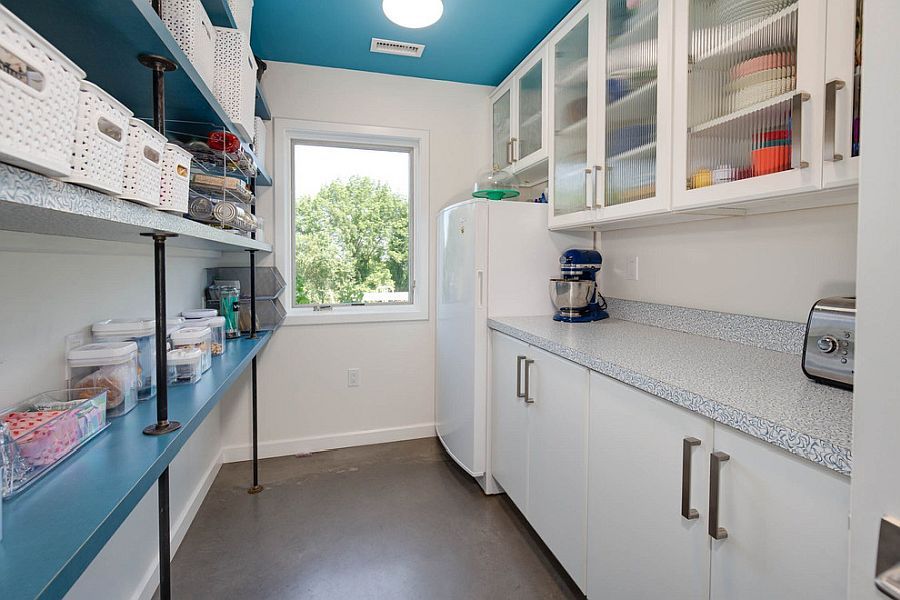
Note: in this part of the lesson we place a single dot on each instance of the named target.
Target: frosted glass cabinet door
(638, 83)
(843, 85)
(502, 121)
(531, 112)
(570, 174)
(749, 98)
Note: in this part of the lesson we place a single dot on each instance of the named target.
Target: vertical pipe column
(163, 425)
(255, 488)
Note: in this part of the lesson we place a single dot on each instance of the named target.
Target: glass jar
(195, 337)
(110, 365)
(217, 327)
(143, 333)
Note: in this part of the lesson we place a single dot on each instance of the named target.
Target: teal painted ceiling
(476, 41)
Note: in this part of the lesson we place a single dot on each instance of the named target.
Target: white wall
(305, 403)
(875, 488)
(771, 266)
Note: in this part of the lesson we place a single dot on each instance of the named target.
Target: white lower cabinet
(787, 524)
(539, 444)
(639, 544)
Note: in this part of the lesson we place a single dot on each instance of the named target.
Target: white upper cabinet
(843, 81)
(749, 99)
(519, 116)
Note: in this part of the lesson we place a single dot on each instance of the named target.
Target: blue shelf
(262, 107)
(53, 531)
(220, 13)
(105, 37)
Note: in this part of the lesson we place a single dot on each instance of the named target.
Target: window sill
(355, 314)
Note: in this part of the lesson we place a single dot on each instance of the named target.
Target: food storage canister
(110, 365)
(143, 333)
(199, 313)
(217, 327)
(195, 337)
(184, 365)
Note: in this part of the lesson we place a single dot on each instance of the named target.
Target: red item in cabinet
(224, 141)
(771, 159)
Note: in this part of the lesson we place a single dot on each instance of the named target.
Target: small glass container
(195, 337)
(230, 306)
(143, 333)
(217, 327)
(110, 365)
(184, 365)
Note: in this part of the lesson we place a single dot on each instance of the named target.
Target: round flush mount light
(413, 14)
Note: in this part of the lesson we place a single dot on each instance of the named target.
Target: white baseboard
(180, 529)
(320, 443)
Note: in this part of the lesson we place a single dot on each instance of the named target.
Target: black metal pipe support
(165, 550)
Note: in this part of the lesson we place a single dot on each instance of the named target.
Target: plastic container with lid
(110, 365)
(195, 337)
(199, 313)
(217, 327)
(143, 333)
(184, 365)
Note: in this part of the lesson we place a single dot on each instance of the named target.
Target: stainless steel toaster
(831, 342)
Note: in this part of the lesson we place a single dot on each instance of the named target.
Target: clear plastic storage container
(199, 313)
(195, 337)
(184, 365)
(217, 327)
(143, 333)
(38, 434)
(111, 365)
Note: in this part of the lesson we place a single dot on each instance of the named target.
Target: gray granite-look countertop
(760, 392)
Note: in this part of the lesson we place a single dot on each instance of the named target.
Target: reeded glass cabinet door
(570, 120)
(531, 111)
(502, 119)
(843, 92)
(632, 89)
(752, 93)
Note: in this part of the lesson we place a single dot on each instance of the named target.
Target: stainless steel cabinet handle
(527, 396)
(715, 464)
(594, 199)
(588, 197)
(515, 149)
(519, 360)
(797, 101)
(509, 159)
(686, 511)
(831, 90)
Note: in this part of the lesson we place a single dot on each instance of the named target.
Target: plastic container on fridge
(39, 94)
(143, 333)
(217, 327)
(98, 154)
(38, 434)
(191, 27)
(195, 337)
(111, 365)
(235, 87)
(175, 179)
(143, 164)
(184, 365)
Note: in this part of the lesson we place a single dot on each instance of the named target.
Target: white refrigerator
(494, 259)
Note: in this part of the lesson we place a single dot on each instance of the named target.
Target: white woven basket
(190, 26)
(235, 87)
(242, 11)
(39, 99)
(259, 141)
(98, 154)
(143, 163)
(176, 179)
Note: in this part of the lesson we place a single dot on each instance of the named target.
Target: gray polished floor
(392, 521)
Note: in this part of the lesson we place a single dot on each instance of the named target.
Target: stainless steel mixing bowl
(571, 296)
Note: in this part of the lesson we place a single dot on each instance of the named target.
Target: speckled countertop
(760, 392)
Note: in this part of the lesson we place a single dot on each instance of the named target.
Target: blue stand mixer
(575, 294)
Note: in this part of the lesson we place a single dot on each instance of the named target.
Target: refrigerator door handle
(479, 275)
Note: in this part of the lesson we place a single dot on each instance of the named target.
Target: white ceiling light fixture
(413, 14)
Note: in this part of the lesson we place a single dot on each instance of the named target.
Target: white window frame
(289, 131)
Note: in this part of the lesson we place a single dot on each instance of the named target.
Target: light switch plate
(353, 377)
(631, 268)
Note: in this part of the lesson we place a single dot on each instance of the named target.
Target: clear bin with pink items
(39, 433)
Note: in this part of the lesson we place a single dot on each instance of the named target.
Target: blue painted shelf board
(105, 37)
(53, 531)
(262, 107)
(220, 13)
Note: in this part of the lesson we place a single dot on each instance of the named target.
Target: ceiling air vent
(399, 48)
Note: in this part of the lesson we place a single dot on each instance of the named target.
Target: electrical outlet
(352, 377)
(631, 268)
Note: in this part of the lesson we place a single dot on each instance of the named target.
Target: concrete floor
(391, 521)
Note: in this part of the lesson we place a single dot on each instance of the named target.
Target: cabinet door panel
(531, 112)
(639, 545)
(557, 451)
(502, 122)
(787, 524)
(509, 420)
